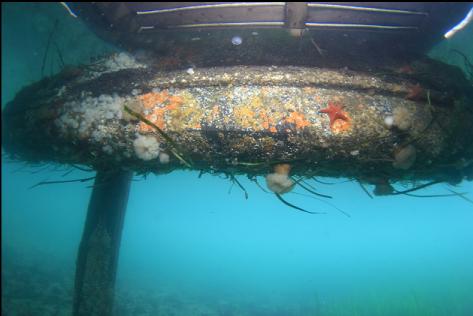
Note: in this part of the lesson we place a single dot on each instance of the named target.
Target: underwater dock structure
(256, 102)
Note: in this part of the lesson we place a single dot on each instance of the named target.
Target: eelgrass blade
(174, 148)
(295, 207)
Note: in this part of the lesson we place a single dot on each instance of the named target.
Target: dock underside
(390, 122)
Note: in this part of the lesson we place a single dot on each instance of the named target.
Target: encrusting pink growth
(415, 93)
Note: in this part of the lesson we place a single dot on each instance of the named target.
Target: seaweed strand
(417, 188)
(326, 202)
(56, 22)
(235, 180)
(295, 207)
(61, 181)
(311, 191)
(461, 195)
(174, 148)
(364, 189)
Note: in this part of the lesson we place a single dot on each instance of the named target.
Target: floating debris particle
(237, 40)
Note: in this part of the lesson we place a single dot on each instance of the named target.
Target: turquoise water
(190, 246)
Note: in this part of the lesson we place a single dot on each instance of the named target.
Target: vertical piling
(97, 258)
